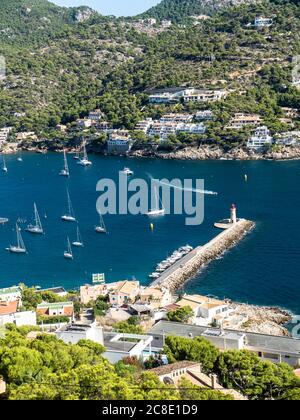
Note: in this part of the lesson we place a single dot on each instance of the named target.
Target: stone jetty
(188, 266)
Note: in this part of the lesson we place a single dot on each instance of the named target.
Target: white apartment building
(19, 318)
(95, 115)
(4, 133)
(11, 294)
(260, 139)
(180, 118)
(204, 95)
(241, 120)
(206, 115)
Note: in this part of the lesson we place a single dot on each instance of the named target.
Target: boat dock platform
(182, 271)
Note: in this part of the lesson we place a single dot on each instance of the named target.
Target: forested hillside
(179, 10)
(64, 67)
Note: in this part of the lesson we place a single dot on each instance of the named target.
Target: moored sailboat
(158, 209)
(101, 228)
(68, 254)
(65, 171)
(84, 161)
(70, 216)
(78, 243)
(20, 247)
(37, 228)
(4, 167)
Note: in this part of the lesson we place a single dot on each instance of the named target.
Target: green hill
(179, 10)
(60, 64)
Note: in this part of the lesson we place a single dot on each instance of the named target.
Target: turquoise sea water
(263, 269)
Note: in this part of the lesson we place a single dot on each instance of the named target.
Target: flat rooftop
(253, 340)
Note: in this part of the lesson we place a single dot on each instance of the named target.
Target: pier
(189, 265)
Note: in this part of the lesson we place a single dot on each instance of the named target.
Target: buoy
(152, 226)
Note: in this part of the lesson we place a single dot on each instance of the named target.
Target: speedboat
(127, 171)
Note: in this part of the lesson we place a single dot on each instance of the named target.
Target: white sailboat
(65, 171)
(68, 254)
(159, 209)
(78, 243)
(20, 159)
(76, 156)
(37, 228)
(70, 216)
(84, 161)
(4, 167)
(101, 228)
(20, 247)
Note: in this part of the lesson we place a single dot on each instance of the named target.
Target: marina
(185, 268)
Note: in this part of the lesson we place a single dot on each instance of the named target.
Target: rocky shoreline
(205, 152)
(218, 153)
(261, 319)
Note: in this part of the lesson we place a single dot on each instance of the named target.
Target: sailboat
(37, 227)
(84, 161)
(4, 167)
(68, 254)
(20, 159)
(78, 243)
(156, 211)
(101, 228)
(65, 171)
(70, 216)
(76, 156)
(20, 247)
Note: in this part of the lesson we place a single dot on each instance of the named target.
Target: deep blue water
(263, 269)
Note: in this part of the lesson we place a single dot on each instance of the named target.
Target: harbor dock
(184, 269)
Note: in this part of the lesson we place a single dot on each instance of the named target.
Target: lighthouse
(233, 218)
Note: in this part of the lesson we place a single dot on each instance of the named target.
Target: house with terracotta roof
(124, 292)
(172, 374)
(89, 293)
(55, 309)
(9, 307)
(206, 310)
(155, 297)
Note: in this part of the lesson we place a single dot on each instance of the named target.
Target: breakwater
(188, 266)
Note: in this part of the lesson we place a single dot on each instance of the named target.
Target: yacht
(78, 243)
(65, 171)
(70, 216)
(68, 254)
(20, 247)
(101, 228)
(37, 227)
(128, 172)
(158, 210)
(84, 161)
(4, 167)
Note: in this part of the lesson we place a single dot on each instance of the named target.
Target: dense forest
(60, 66)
